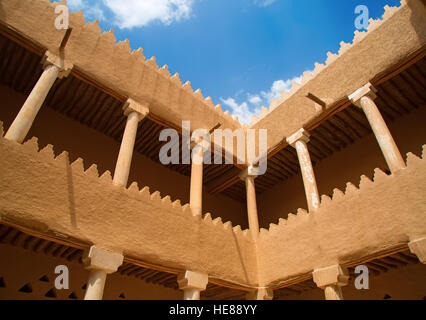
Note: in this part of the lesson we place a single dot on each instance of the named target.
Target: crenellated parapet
(49, 195)
(386, 43)
(379, 215)
(53, 197)
(129, 73)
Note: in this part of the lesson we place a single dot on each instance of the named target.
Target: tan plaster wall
(348, 165)
(407, 283)
(19, 267)
(379, 216)
(93, 147)
(47, 194)
(387, 43)
(114, 64)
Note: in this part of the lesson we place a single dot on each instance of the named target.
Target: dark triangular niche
(73, 296)
(50, 294)
(26, 288)
(2, 283)
(122, 296)
(387, 297)
(44, 279)
(84, 287)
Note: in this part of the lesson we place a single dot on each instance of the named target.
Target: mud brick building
(81, 183)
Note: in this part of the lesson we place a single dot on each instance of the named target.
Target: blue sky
(240, 52)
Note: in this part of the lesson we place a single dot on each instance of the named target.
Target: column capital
(249, 172)
(53, 59)
(201, 143)
(261, 294)
(301, 135)
(366, 91)
(418, 247)
(193, 280)
(133, 106)
(99, 259)
(331, 276)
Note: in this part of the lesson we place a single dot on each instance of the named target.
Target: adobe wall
(348, 165)
(406, 283)
(22, 266)
(114, 65)
(52, 196)
(387, 43)
(380, 215)
(63, 133)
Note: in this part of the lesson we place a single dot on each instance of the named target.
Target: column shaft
(95, 285)
(191, 294)
(308, 175)
(26, 116)
(124, 161)
(196, 193)
(253, 218)
(381, 131)
(333, 293)
(261, 294)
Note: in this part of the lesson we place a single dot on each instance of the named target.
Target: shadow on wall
(71, 200)
(418, 11)
(240, 256)
(2, 14)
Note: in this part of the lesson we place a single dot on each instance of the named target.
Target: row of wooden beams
(399, 91)
(88, 101)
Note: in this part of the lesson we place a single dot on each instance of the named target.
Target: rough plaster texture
(387, 43)
(402, 31)
(347, 165)
(115, 65)
(47, 194)
(63, 133)
(406, 283)
(50, 194)
(24, 266)
(380, 215)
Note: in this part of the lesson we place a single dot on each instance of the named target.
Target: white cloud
(95, 12)
(278, 87)
(263, 3)
(75, 4)
(256, 99)
(136, 13)
(91, 10)
(238, 110)
(247, 109)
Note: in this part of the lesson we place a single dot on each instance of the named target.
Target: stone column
(364, 98)
(100, 263)
(192, 283)
(299, 141)
(135, 112)
(418, 247)
(54, 67)
(196, 192)
(331, 279)
(253, 219)
(261, 294)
